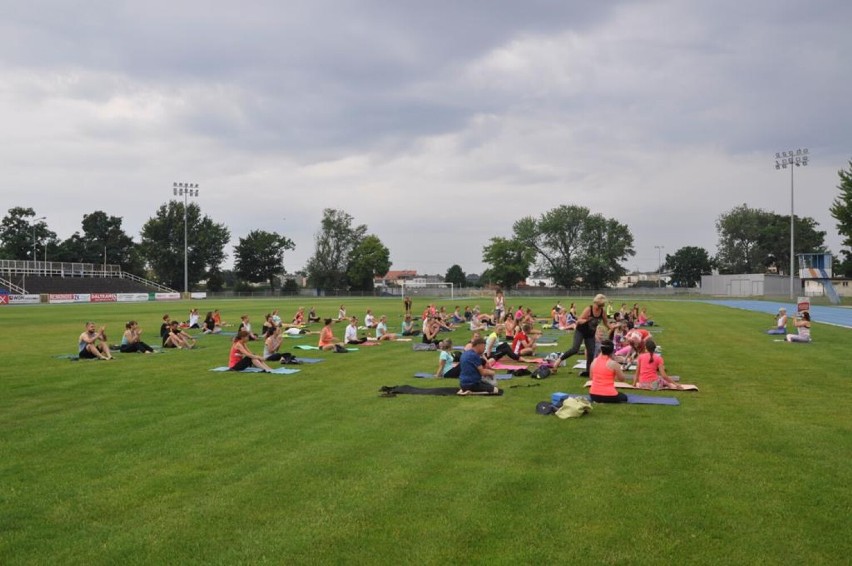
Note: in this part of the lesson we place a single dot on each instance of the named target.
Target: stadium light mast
(798, 158)
(185, 190)
(659, 265)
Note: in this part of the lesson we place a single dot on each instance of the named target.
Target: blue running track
(838, 316)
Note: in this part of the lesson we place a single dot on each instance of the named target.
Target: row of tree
(571, 245)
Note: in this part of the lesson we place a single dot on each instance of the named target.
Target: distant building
(395, 278)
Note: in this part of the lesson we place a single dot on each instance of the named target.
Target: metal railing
(10, 267)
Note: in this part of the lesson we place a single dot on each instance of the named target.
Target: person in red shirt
(522, 345)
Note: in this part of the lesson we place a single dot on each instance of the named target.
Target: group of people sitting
(802, 323)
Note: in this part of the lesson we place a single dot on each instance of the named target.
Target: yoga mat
(394, 390)
(621, 385)
(306, 347)
(508, 367)
(546, 344)
(532, 360)
(280, 371)
(581, 364)
(310, 360)
(643, 400)
(497, 376)
(640, 400)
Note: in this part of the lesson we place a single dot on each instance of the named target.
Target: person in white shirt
(350, 335)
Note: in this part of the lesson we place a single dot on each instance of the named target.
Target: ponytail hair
(650, 347)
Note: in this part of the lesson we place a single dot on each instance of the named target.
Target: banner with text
(198, 295)
(131, 297)
(104, 297)
(166, 296)
(24, 299)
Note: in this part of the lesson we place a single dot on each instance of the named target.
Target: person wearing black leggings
(587, 324)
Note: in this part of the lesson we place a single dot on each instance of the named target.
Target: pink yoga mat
(621, 385)
(509, 367)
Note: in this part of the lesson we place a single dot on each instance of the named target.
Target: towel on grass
(280, 371)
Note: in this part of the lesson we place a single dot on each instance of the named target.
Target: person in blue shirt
(473, 371)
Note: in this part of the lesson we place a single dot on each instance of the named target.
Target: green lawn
(155, 459)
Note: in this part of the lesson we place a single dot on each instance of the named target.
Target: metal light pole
(794, 159)
(33, 224)
(185, 190)
(659, 265)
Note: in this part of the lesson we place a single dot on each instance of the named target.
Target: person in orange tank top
(241, 357)
(605, 372)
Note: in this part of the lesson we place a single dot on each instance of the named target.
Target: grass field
(155, 459)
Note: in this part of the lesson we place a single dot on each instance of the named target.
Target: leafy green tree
(748, 236)
(575, 247)
(162, 244)
(739, 232)
(510, 262)
(688, 264)
(369, 259)
(605, 244)
(841, 210)
(334, 243)
(102, 240)
(260, 256)
(456, 276)
(18, 233)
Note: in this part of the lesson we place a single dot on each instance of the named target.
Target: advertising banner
(803, 304)
(131, 297)
(198, 295)
(166, 296)
(82, 297)
(24, 299)
(4, 299)
(60, 298)
(104, 297)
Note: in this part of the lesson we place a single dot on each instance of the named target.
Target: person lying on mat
(651, 370)
(92, 344)
(780, 322)
(605, 372)
(382, 330)
(131, 340)
(473, 374)
(241, 357)
(408, 328)
(587, 325)
(327, 341)
(350, 335)
(447, 365)
(803, 327)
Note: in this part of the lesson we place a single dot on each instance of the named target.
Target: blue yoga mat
(310, 360)
(640, 400)
(646, 400)
(279, 371)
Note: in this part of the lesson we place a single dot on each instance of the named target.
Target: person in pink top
(605, 372)
(651, 370)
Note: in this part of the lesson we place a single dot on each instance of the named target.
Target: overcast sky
(437, 124)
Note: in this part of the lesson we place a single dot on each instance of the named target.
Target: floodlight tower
(797, 158)
(185, 190)
(659, 265)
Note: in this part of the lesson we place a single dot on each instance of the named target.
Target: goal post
(431, 289)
